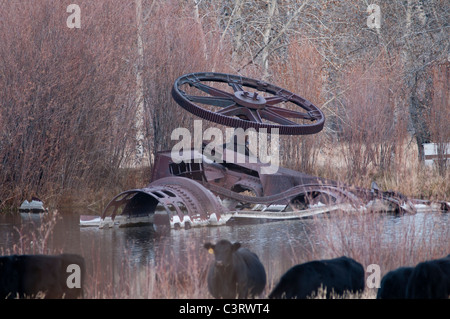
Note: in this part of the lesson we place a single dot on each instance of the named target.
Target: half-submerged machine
(205, 186)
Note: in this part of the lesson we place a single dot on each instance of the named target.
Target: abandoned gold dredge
(196, 190)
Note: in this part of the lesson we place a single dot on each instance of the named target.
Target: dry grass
(37, 241)
(408, 176)
(166, 277)
(366, 294)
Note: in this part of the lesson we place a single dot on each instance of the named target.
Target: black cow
(54, 276)
(393, 284)
(236, 272)
(335, 275)
(430, 280)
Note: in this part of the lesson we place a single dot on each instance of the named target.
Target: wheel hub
(250, 100)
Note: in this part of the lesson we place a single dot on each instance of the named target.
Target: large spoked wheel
(237, 101)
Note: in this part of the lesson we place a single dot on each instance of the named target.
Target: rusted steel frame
(129, 195)
(403, 203)
(199, 202)
(118, 201)
(356, 196)
(201, 196)
(340, 194)
(164, 201)
(443, 205)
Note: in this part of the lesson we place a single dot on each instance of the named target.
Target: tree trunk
(418, 82)
(271, 7)
(419, 107)
(139, 119)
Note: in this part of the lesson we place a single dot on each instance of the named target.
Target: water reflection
(278, 244)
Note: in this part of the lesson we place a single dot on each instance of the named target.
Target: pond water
(141, 244)
(281, 242)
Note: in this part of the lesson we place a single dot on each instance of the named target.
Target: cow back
(393, 284)
(255, 274)
(25, 276)
(430, 280)
(335, 275)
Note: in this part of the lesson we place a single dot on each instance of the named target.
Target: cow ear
(209, 247)
(236, 246)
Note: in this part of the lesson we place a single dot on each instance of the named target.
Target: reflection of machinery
(195, 190)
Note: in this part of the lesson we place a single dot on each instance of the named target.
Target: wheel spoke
(272, 100)
(257, 116)
(212, 91)
(271, 116)
(231, 110)
(236, 110)
(211, 100)
(236, 86)
(289, 113)
(252, 115)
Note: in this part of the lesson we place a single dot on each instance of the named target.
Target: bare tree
(77, 103)
(174, 47)
(416, 29)
(425, 42)
(139, 121)
(438, 118)
(64, 97)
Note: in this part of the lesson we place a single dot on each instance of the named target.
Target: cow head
(223, 251)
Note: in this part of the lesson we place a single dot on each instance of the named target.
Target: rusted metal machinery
(196, 190)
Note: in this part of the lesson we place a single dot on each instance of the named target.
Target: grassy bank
(406, 174)
(92, 197)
